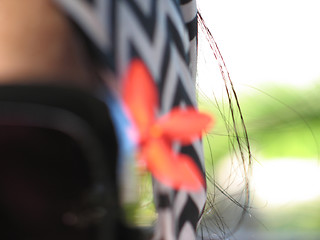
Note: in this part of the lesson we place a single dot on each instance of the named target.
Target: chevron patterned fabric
(162, 33)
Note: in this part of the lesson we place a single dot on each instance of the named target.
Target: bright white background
(266, 40)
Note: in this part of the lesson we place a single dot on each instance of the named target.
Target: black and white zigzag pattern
(163, 33)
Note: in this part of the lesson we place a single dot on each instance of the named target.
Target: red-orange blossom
(156, 135)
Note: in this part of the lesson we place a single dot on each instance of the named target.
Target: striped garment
(163, 33)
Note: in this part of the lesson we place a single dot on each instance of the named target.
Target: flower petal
(140, 95)
(184, 125)
(191, 178)
(176, 171)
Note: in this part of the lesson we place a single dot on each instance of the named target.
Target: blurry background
(272, 51)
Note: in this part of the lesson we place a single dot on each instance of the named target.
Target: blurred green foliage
(142, 212)
(281, 122)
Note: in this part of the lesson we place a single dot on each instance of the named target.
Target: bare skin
(38, 42)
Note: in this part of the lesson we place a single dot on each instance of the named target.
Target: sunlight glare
(284, 181)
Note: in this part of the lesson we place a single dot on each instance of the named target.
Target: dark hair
(212, 223)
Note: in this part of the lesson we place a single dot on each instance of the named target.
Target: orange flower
(184, 126)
